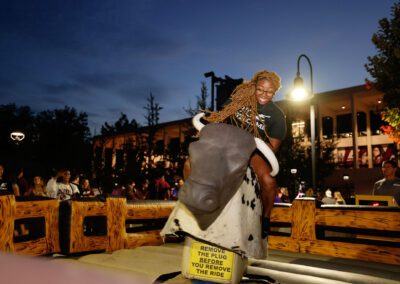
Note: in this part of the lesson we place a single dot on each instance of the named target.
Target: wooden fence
(356, 232)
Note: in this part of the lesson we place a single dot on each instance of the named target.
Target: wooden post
(303, 220)
(78, 241)
(7, 216)
(116, 216)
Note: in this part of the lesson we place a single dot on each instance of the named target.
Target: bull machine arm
(219, 208)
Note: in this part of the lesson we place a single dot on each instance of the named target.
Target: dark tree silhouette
(201, 104)
(385, 69)
(121, 125)
(152, 118)
(53, 139)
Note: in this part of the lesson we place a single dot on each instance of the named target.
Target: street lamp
(17, 136)
(214, 80)
(299, 93)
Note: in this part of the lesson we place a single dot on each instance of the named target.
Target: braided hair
(244, 97)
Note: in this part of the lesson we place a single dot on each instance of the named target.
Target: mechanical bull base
(220, 203)
(237, 228)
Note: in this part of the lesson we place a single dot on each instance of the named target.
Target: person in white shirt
(51, 186)
(65, 189)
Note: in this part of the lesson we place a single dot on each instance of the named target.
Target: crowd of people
(158, 179)
(283, 196)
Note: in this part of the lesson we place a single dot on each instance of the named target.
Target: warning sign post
(206, 262)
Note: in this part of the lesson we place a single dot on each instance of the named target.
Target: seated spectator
(390, 184)
(339, 198)
(328, 199)
(37, 187)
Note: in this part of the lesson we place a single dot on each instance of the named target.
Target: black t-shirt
(271, 121)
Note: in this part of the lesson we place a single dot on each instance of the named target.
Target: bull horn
(267, 152)
(196, 121)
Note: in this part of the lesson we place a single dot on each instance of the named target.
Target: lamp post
(299, 94)
(214, 80)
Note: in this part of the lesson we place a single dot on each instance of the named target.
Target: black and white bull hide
(220, 202)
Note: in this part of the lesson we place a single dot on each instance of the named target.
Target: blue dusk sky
(104, 57)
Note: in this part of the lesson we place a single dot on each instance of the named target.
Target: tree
(201, 104)
(152, 117)
(121, 125)
(153, 111)
(385, 69)
(58, 138)
(63, 139)
(293, 154)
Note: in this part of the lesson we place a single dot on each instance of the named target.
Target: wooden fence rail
(356, 232)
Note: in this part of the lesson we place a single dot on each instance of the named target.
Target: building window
(298, 129)
(174, 146)
(327, 127)
(376, 122)
(98, 157)
(119, 160)
(344, 125)
(159, 147)
(362, 123)
(108, 152)
(344, 157)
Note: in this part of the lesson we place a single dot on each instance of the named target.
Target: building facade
(349, 117)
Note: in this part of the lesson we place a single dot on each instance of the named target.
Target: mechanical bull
(220, 202)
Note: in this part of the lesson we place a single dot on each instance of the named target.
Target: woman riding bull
(251, 107)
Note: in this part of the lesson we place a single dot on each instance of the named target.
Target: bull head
(218, 160)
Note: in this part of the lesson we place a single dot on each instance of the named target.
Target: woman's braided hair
(244, 97)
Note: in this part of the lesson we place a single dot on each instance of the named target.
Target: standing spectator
(145, 189)
(75, 182)
(130, 191)
(161, 186)
(23, 184)
(51, 185)
(87, 190)
(282, 195)
(118, 190)
(65, 189)
(339, 198)
(390, 184)
(176, 189)
(37, 188)
(328, 199)
(5, 185)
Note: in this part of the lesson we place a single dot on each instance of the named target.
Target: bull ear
(196, 121)
(267, 152)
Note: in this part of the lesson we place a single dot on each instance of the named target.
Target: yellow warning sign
(210, 262)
